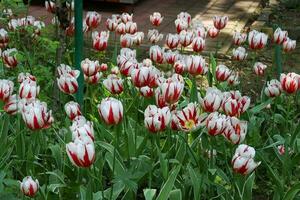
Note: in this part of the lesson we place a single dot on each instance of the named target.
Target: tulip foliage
(171, 123)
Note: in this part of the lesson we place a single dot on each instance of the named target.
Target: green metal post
(79, 49)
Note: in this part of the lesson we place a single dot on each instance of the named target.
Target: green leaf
(194, 92)
(291, 193)
(169, 184)
(260, 107)
(247, 194)
(195, 178)
(176, 194)
(149, 194)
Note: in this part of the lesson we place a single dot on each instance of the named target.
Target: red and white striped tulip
(111, 24)
(222, 73)
(212, 100)
(259, 68)
(121, 28)
(216, 123)
(157, 119)
(67, 83)
(29, 187)
(243, 160)
(235, 130)
(181, 25)
(92, 19)
(146, 91)
(239, 38)
(289, 45)
(172, 40)
(257, 40)
(125, 17)
(103, 67)
(6, 89)
(4, 39)
(9, 58)
(186, 38)
(144, 76)
(81, 152)
(126, 40)
(24, 76)
(198, 44)
(234, 78)
(11, 105)
(138, 37)
(156, 19)
(50, 6)
(179, 66)
(156, 54)
(82, 128)
(130, 27)
(90, 67)
(220, 22)
(127, 66)
(200, 31)
(273, 88)
(35, 115)
(213, 32)
(93, 79)
(170, 57)
(115, 70)
(29, 89)
(72, 109)
(280, 36)
(113, 84)
(111, 111)
(239, 54)
(196, 65)
(100, 40)
(185, 16)
(290, 82)
(281, 149)
(154, 36)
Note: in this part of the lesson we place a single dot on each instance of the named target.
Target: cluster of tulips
(218, 111)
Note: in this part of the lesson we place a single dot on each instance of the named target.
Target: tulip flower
(239, 54)
(220, 22)
(9, 58)
(89, 67)
(222, 73)
(156, 119)
(281, 149)
(174, 124)
(257, 40)
(3, 38)
(127, 53)
(103, 67)
(259, 68)
(125, 17)
(154, 36)
(233, 79)
(67, 83)
(93, 79)
(100, 40)
(24, 76)
(189, 118)
(160, 100)
(170, 57)
(113, 84)
(81, 152)
(130, 27)
(239, 38)
(72, 109)
(38, 26)
(181, 25)
(289, 45)
(290, 82)
(111, 110)
(146, 91)
(243, 160)
(216, 123)
(212, 101)
(172, 40)
(29, 187)
(186, 38)
(144, 76)
(114, 70)
(126, 40)
(198, 44)
(213, 32)
(235, 130)
(35, 115)
(179, 66)
(156, 54)
(280, 36)
(14, 24)
(50, 6)
(196, 65)
(138, 37)
(11, 105)
(200, 32)
(273, 88)
(82, 128)
(185, 16)
(29, 89)
(92, 19)
(156, 19)
(111, 24)
(234, 104)
(127, 66)
(121, 28)
(6, 89)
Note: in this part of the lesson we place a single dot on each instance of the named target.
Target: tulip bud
(196, 65)
(100, 40)
(144, 76)
(81, 152)
(154, 36)
(121, 28)
(289, 45)
(92, 19)
(130, 27)
(212, 101)
(213, 32)
(279, 36)
(239, 38)
(93, 79)
(146, 91)
(29, 187)
(216, 123)
(11, 105)
(220, 22)
(111, 110)
(113, 84)
(125, 17)
(111, 24)
(170, 57)
(89, 67)
(6, 89)
(200, 32)
(126, 40)
(259, 68)
(257, 40)
(156, 19)
(103, 67)
(156, 119)
(3, 38)
(137, 38)
(243, 160)
(9, 58)
(185, 16)
(235, 130)
(186, 38)
(82, 128)
(172, 40)
(239, 54)
(179, 66)
(181, 25)
(29, 89)
(67, 83)
(273, 88)
(72, 109)
(156, 54)
(198, 44)
(290, 82)
(233, 79)
(222, 73)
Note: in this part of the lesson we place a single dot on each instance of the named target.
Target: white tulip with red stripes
(156, 119)
(111, 110)
(6, 89)
(29, 187)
